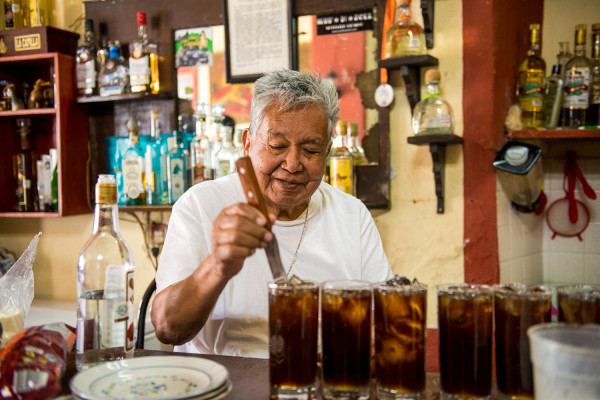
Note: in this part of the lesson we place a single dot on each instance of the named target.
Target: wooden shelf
(124, 97)
(145, 208)
(28, 112)
(556, 134)
(35, 214)
(424, 60)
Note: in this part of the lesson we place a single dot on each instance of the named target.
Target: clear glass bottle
(341, 163)
(102, 53)
(155, 165)
(226, 155)
(198, 146)
(238, 143)
(143, 61)
(176, 168)
(86, 63)
(563, 57)
(113, 76)
(105, 286)
(405, 37)
(594, 110)
(39, 13)
(358, 154)
(530, 90)
(24, 170)
(433, 115)
(577, 84)
(553, 98)
(214, 138)
(132, 165)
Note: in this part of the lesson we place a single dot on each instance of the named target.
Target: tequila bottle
(198, 146)
(532, 72)
(433, 114)
(405, 37)
(238, 143)
(132, 165)
(143, 61)
(563, 57)
(594, 110)
(155, 165)
(105, 283)
(341, 163)
(358, 154)
(553, 98)
(176, 169)
(577, 84)
(85, 62)
(112, 79)
(226, 155)
(102, 53)
(24, 170)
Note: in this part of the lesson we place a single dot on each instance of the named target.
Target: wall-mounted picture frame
(260, 36)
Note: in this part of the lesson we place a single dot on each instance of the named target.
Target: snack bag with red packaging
(33, 362)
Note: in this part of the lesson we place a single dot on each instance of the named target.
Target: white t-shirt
(341, 241)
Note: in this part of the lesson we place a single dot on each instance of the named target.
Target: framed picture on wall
(259, 37)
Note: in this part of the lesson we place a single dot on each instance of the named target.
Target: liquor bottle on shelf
(530, 90)
(433, 115)
(214, 139)
(39, 12)
(553, 98)
(132, 165)
(341, 163)
(594, 111)
(54, 180)
(405, 37)
(563, 57)
(24, 170)
(102, 53)
(198, 146)
(105, 283)
(238, 143)
(143, 61)
(155, 176)
(113, 76)
(13, 14)
(358, 154)
(176, 168)
(226, 156)
(85, 62)
(577, 84)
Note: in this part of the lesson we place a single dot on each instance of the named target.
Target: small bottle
(238, 143)
(577, 84)
(24, 168)
(132, 165)
(405, 37)
(433, 115)
(563, 57)
(113, 77)
(176, 169)
(54, 180)
(105, 278)
(198, 146)
(102, 53)
(530, 91)
(594, 110)
(226, 156)
(85, 62)
(358, 154)
(143, 61)
(155, 176)
(553, 98)
(341, 163)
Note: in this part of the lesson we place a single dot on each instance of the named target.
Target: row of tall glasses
(378, 331)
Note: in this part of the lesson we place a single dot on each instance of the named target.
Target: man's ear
(246, 141)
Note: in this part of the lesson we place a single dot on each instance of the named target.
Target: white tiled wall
(527, 251)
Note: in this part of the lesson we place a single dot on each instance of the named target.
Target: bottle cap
(596, 27)
(141, 18)
(341, 127)
(516, 155)
(106, 189)
(353, 129)
(556, 69)
(432, 75)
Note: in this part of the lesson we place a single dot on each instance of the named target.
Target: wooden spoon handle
(250, 184)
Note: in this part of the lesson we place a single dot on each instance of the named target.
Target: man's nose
(292, 162)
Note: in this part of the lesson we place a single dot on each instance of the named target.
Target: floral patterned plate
(156, 377)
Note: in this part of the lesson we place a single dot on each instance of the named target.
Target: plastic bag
(16, 293)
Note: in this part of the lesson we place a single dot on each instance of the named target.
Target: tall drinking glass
(465, 340)
(293, 334)
(578, 304)
(516, 308)
(346, 339)
(400, 312)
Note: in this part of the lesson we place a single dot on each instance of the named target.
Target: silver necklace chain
(300, 241)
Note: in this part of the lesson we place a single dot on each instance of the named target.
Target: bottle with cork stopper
(433, 115)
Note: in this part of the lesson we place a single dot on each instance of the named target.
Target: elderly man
(211, 282)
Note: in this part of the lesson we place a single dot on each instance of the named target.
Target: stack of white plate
(156, 377)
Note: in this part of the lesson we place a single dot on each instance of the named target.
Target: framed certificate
(260, 36)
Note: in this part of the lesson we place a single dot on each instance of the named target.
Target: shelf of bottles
(124, 97)
(556, 134)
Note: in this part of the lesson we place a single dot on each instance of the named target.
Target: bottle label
(577, 88)
(115, 314)
(132, 176)
(596, 86)
(139, 71)
(340, 171)
(86, 75)
(106, 193)
(531, 90)
(177, 178)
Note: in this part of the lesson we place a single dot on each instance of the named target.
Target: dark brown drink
(578, 304)
(516, 308)
(400, 313)
(293, 333)
(465, 340)
(346, 337)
